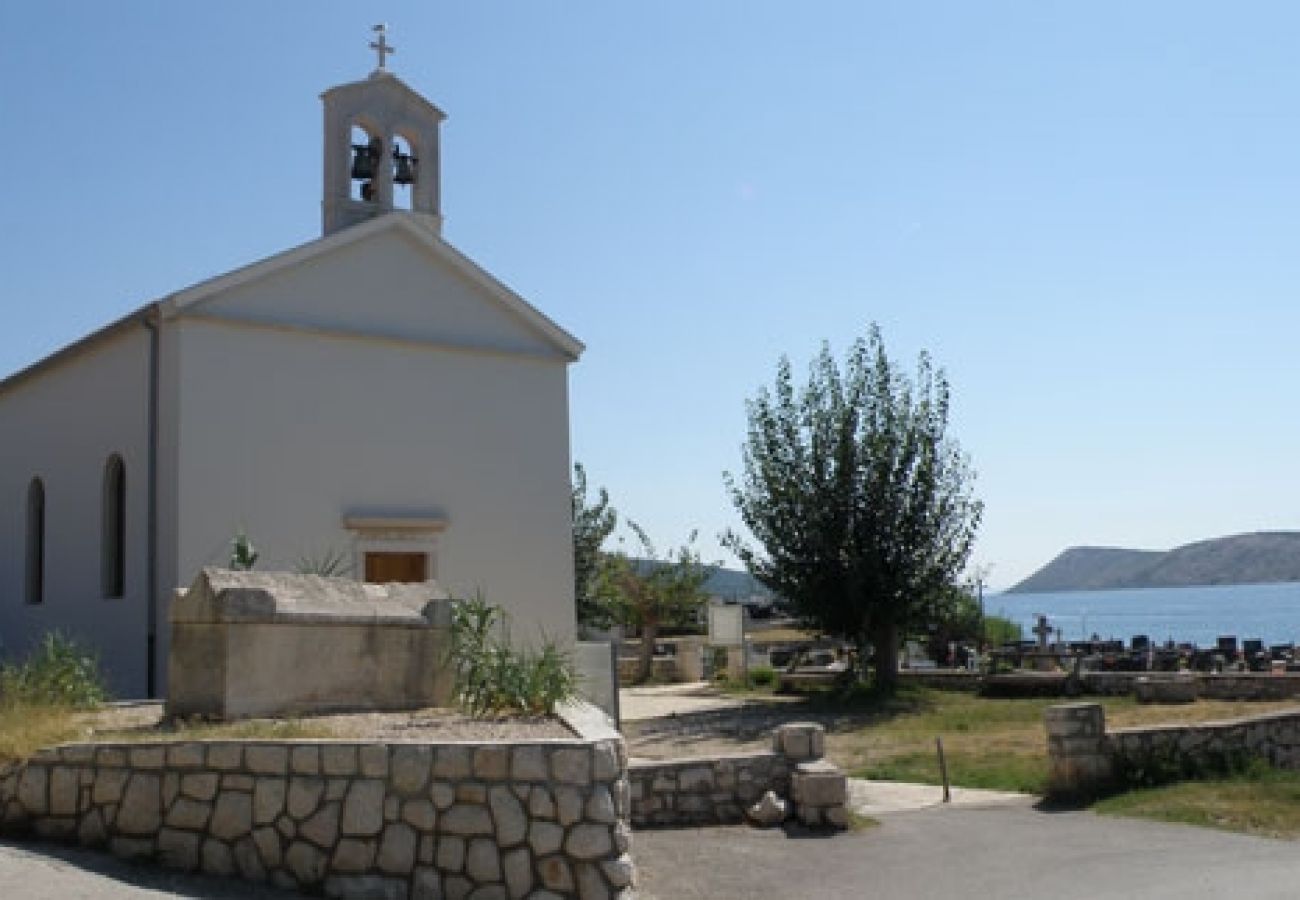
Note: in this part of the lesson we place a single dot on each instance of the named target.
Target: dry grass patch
(26, 728)
(988, 742)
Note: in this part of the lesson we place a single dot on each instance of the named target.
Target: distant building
(371, 395)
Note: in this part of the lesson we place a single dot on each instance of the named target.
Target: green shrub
(59, 672)
(492, 676)
(762, 676)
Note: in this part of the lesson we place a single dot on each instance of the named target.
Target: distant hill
(1261, 557)
(730, 584)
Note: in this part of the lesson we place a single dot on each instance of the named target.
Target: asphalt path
(1008, 851)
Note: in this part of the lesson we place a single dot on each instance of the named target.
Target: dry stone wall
(1085, 759)
(472, 821)
(720, 790)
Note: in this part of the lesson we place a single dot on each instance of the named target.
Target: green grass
(1260, 801)
(988, 742)
(27, 727)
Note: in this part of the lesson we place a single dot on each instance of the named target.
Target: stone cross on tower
(381, 47)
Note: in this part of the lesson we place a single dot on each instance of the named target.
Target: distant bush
(59, 672)
(492, 676)
(763, 676)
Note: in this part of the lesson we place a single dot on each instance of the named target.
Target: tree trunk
(645, 659)
(884, 640)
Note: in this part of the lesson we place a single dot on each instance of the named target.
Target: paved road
(38, 871)
(945, 852)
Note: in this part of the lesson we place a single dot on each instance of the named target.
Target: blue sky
(1088, 214)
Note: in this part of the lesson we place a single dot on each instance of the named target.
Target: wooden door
(383, 568)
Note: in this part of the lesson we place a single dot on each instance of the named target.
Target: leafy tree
(593, 523)
(860, 500)
(653, 591)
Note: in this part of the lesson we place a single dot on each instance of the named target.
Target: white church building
(371, 396)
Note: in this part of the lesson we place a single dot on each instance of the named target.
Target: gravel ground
(144, 721)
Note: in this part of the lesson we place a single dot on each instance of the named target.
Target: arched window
(112, 565)
(35, 580)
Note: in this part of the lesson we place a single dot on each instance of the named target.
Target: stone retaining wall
(540, 820)
(1086, 760)
(719, 790)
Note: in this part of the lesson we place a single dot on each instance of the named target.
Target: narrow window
(113, 534)
(35, 582)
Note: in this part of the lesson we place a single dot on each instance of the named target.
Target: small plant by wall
(493, 676)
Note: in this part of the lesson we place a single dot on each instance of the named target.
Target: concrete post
(1078, 751)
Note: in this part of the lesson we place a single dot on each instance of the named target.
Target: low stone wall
(539, 820)
(713, 791)
(720, 790)
(1087, 760)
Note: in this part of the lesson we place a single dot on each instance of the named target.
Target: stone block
(571, 765)
(65, 789)
(397, 849)
(91, 832)
(588, 841)
(819, 783)
(800, 741)
(305, 760)
(452, 762)
(33, 789)
(411, 766)
(492, 762)
(110, 757)
(353, 855)
(450, 856)
(555, 873)
(232, 817)
(591, 884)
(306, 863)
(189, 814)
(185, 756)
(268, 799)
(517, 867)
(568, 803)
(465, 820)
(540, 804)
(471, 792)
(426, 884)
(339, 759)
(226, 757)
(483, 861)
(178, 849)
(363, 808)
(619, 872)
(304, 796)
(237, 781)
(247, 863)
(508, 814)
(545, 838)
(131, 848)
(141, 809)
(443, 794)
(267, 759)
(696, 778)
(217, 859)
(528, 764)
(420, 815)
(199, 785)
(373, 760)
(147, 757)
(600, 806)
(269, 850)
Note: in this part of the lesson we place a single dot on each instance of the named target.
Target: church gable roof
(389, 277)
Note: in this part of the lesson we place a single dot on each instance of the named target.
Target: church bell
(363, 159)
(403, 167)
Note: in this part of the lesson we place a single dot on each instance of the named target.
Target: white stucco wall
(283, 433)
(62, 425)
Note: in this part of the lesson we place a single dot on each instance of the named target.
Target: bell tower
(381, 148)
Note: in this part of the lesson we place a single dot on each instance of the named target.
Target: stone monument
(268, 644)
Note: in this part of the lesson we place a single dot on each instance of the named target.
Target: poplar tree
(861, 502)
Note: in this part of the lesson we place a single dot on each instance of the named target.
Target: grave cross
(381, 46)
(1043, 630)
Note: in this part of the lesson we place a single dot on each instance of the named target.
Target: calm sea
(1270, 612)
